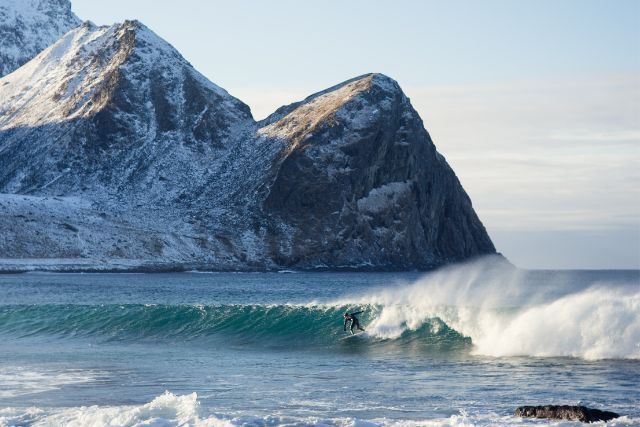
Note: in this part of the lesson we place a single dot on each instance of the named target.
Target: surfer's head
(346, 315)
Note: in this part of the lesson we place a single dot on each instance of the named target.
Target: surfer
(355, 323)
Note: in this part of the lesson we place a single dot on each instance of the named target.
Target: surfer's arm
(357, 312)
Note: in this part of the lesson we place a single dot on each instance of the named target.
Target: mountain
(116, 119)
(115, 153)
(109, 109)
(29, 26)
(360, 179)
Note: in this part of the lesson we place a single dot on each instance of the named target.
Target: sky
(535, 104)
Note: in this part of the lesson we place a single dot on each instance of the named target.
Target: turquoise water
(463, 346)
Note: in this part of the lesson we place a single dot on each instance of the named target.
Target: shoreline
(73, 266)
(10, 266)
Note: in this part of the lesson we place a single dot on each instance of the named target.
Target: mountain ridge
(114, 151)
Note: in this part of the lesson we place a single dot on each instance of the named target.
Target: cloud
(559, 154)
(612, 137)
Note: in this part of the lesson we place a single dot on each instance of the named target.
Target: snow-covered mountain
(88, 110)
(360, 181)
(29, 26)
(116, 153)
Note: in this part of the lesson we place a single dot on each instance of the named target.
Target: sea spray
(504, 316)
(593, 324)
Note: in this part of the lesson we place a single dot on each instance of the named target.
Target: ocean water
(464, 345)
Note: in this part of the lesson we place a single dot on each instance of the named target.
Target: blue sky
(535, 104)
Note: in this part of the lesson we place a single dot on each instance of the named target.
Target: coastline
(87, 265)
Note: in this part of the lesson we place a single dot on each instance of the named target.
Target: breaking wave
(269, 325)
(486, 310)
(504, 314)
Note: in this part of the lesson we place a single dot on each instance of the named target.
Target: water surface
(463, 346)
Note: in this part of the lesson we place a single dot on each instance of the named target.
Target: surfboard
(360, 334)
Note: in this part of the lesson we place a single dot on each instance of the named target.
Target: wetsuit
(355, 323)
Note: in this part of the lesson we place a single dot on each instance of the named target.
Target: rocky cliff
(29, 26)
(116, 153)
(359, 181)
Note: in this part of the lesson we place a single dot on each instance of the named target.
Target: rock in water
(566, 412)
(29, 26)
(115, 152)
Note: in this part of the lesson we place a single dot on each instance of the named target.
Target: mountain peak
(364, 82)
(295, 122)
(78, 75)
(109, 91)
(29, 26)
(384, 82)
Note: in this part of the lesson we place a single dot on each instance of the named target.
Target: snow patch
(382, 198)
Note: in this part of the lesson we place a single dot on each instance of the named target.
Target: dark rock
(566, 412)
(70, 227)
(361, 179)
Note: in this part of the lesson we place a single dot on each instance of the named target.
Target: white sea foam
(170, 410)
(20, 381)
(505, 316)
(165, 410)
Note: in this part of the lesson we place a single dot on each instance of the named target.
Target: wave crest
(504, 315)
(267, 325)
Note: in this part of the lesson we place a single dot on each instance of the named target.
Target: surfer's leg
(351, 329)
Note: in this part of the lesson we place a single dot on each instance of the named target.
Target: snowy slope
(90, 109)
(29, 26)
(116, 153)
(117, 118)
(69, 80)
